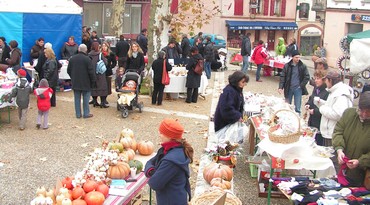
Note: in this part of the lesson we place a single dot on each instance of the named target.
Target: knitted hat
(295, 52)
(21, 73)
(364, 101)
(171, 128)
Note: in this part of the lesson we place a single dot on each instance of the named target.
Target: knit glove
(150, 172)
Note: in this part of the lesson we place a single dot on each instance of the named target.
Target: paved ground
(33, 158)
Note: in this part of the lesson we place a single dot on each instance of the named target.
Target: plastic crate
(253, 168)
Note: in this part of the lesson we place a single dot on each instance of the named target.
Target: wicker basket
(212, 194)
(284, 139)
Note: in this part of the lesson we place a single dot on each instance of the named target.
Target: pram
(129, 92)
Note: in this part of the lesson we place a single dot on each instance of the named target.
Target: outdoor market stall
(6, 84)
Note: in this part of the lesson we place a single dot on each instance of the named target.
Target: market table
(273, 63)
(4, 97)
(63, 70)
(178, 81)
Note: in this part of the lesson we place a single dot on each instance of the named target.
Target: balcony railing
(318, 7)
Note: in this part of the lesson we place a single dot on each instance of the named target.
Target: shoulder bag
(165, 76)
(199, 67)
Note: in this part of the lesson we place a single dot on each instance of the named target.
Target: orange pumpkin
(219, 182)
(145, 147)
(79, 202)
(124, 156)
(118, 171)
(78, 192)
(130, 154)
(89, 186)
(94, 198)
(216, 170)
(134, 145)
(126, 142)
(67, 182)
(103, 188)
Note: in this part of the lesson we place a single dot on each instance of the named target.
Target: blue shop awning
(260, 25)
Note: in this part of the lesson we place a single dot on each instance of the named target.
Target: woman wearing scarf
(168, 171)
(135, 60)
(69, 49)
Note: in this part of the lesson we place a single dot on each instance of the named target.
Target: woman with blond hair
(135, 59)
(111, 63)
(50, 68)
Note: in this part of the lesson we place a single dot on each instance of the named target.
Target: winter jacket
(246, 46)
(82, 72)
(172, 53)
(289, 50)
(51, 73)
(69, 50)
(22, 92)
(111, 63)
(340, 98)
(352, 136)
(157, 68)
(315, 119)
(185, 47)
(35, 51)
(15, 58)
(280, 48)
(5, 55)
(122, 48)
(209, 55)
(43, 95)
(286, 75)
(137, 63)
(101, 88)
(193, 79)
(142, 40)
(229, 108)
(259, 55)
(171, 177)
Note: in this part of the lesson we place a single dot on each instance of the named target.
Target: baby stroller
(129, 92)
(222, 53)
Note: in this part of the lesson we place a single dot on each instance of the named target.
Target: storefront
(267, 31)
(309, 38)
(97, 15)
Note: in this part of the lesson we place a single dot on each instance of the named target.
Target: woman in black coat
(193, 79)
(157, 67)
(111, 63)
(135, 59)
(51, 73)
(101, 80)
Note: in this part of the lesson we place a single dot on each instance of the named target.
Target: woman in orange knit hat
(169, 169)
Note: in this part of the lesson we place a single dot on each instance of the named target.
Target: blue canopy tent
(25, 21)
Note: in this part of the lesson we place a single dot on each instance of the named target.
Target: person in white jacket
(340, 98)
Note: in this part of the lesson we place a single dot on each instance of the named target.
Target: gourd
(219, 182)
(216, 170)
(126, 132)
(94, 198)
(137, 164)
(145, 147)
(118, 171)
(130, 154)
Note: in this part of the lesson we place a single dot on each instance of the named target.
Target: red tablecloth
(272, 63)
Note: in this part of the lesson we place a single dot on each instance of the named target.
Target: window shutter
(283, 7)
(238, 7)
(272, 8)
(266, 7)
(174, 9)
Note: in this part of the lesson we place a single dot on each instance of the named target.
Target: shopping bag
(234, 133)
(165, 76)
(100, 66)
(199, 67)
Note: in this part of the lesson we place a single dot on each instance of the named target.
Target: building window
(132, 19)
(304, 9)
(354, 28)
(277, 8)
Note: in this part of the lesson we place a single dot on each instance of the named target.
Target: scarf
(105, 53)
(169, 145)
(134, 54)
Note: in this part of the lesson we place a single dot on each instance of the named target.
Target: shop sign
(358, 17)
(311, 31)
(249, 28)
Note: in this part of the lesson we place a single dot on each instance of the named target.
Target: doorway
(271, 40)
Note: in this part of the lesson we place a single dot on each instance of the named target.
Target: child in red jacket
(43, 93)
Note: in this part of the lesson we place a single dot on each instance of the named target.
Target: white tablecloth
(177, 83)
(63, 71)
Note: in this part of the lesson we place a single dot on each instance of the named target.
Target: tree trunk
(116, 21)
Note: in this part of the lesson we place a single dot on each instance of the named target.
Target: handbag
(165, 76)
(100, 66)
(199, 67)
(367, 179)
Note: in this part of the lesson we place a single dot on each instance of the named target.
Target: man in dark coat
(173, 50)
(193, 79)
(209, 56)
(246, 51)
(142, 40)
(185, 46)
(293, 81)
(82, 74)
(122, 48)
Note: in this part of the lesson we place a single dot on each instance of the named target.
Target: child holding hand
(43, 93)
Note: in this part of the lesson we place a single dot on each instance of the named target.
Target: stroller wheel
(124, 113)
(140, 106)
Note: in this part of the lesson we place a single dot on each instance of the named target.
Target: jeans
(297, 93)
(207, 68)
(258, 72)
(85, 102)
(245, 64)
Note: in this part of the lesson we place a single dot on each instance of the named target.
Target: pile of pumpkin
(90, 186)
(218, 175)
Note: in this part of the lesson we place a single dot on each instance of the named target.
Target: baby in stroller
(127, 85)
